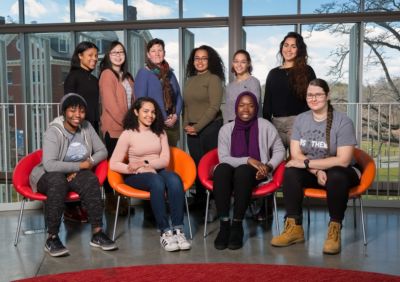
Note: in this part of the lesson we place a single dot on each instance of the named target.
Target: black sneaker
(101, 240)
(54, 247)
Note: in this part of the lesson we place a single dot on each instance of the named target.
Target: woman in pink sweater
(117, 96)
(145, 143)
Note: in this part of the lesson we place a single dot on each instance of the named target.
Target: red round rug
(231, 272)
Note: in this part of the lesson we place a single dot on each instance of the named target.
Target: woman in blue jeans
(145, 143)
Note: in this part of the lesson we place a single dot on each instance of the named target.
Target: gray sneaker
(101, 240)
(54, 247)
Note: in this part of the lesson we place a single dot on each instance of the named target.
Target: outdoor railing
(377, 125)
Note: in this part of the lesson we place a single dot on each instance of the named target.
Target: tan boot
(332, 244)
(292, 234)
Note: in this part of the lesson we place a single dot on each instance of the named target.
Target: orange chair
(205, 170)
(368, 170)
(180, 162)
(21, 183)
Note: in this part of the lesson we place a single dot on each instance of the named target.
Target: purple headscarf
(239, 147)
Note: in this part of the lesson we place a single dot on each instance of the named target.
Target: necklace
(319, 119)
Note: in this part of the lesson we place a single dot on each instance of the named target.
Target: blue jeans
(164, 183)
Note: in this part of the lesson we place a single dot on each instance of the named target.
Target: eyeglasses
(117, 53)
(202, 59)
(318, 96)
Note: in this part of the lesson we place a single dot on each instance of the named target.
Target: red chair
(21, 183)
(205, 171)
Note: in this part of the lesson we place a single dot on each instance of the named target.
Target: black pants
(200, 144)
(339, 181)
(238, 182)
(111, 143)
(55, 186)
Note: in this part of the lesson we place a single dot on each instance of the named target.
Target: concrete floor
(139, 245)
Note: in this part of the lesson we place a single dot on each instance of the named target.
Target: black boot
(221, 242)
(236, 235)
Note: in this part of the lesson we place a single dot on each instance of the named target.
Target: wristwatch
(307, 163)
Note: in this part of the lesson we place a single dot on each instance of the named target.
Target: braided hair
(324, 85)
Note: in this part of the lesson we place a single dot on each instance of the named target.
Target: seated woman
(145, 143)
(321, 150)
(71, 147)
(249, 148)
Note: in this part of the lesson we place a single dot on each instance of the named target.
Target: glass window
(328, 53)
(329, 6)
(381, 73)
(264, 49)
(99, 10)
(205, 8)
(46, 11)
(269, 7)
(152, 9)
(217, 38)
(9, 12)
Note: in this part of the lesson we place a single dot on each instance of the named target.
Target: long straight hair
(106, 62)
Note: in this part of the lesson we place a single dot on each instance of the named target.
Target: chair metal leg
(116, 217)
(188, 217)
(362, 221)
(19, 221)
(308, 211)
(205, 218)
(276, 214)
(354, 213)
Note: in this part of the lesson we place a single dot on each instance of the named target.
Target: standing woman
(286, 86)
(244, 81)
(117, 96)
(81, 81)
(285, 91)
(145, 143)
(202, 101)
(321, 152)
(157, 80)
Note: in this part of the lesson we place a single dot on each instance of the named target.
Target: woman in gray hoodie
(71, 147)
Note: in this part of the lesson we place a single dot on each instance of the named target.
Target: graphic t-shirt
(311, 134)
(77, 151)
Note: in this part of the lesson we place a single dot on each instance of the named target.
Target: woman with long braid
(321, 150)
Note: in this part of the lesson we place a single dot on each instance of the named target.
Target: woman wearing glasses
(117, 96)
(321, 151)
(157, 80)
(202, 101)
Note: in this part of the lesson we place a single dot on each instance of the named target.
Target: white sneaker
(168, 241)
(183, 243)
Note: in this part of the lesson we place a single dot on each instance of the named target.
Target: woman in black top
(286, 85)
(80, 79)
(285, 92)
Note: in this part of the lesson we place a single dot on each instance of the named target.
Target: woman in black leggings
(249, 149)
(321, 150)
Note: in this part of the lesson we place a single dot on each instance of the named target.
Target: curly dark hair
(106, 62)
(79, 49)
(131, 119)
(215, 64)
(298, 75)
(248, 58)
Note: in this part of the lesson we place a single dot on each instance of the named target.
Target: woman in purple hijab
(249, 149)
